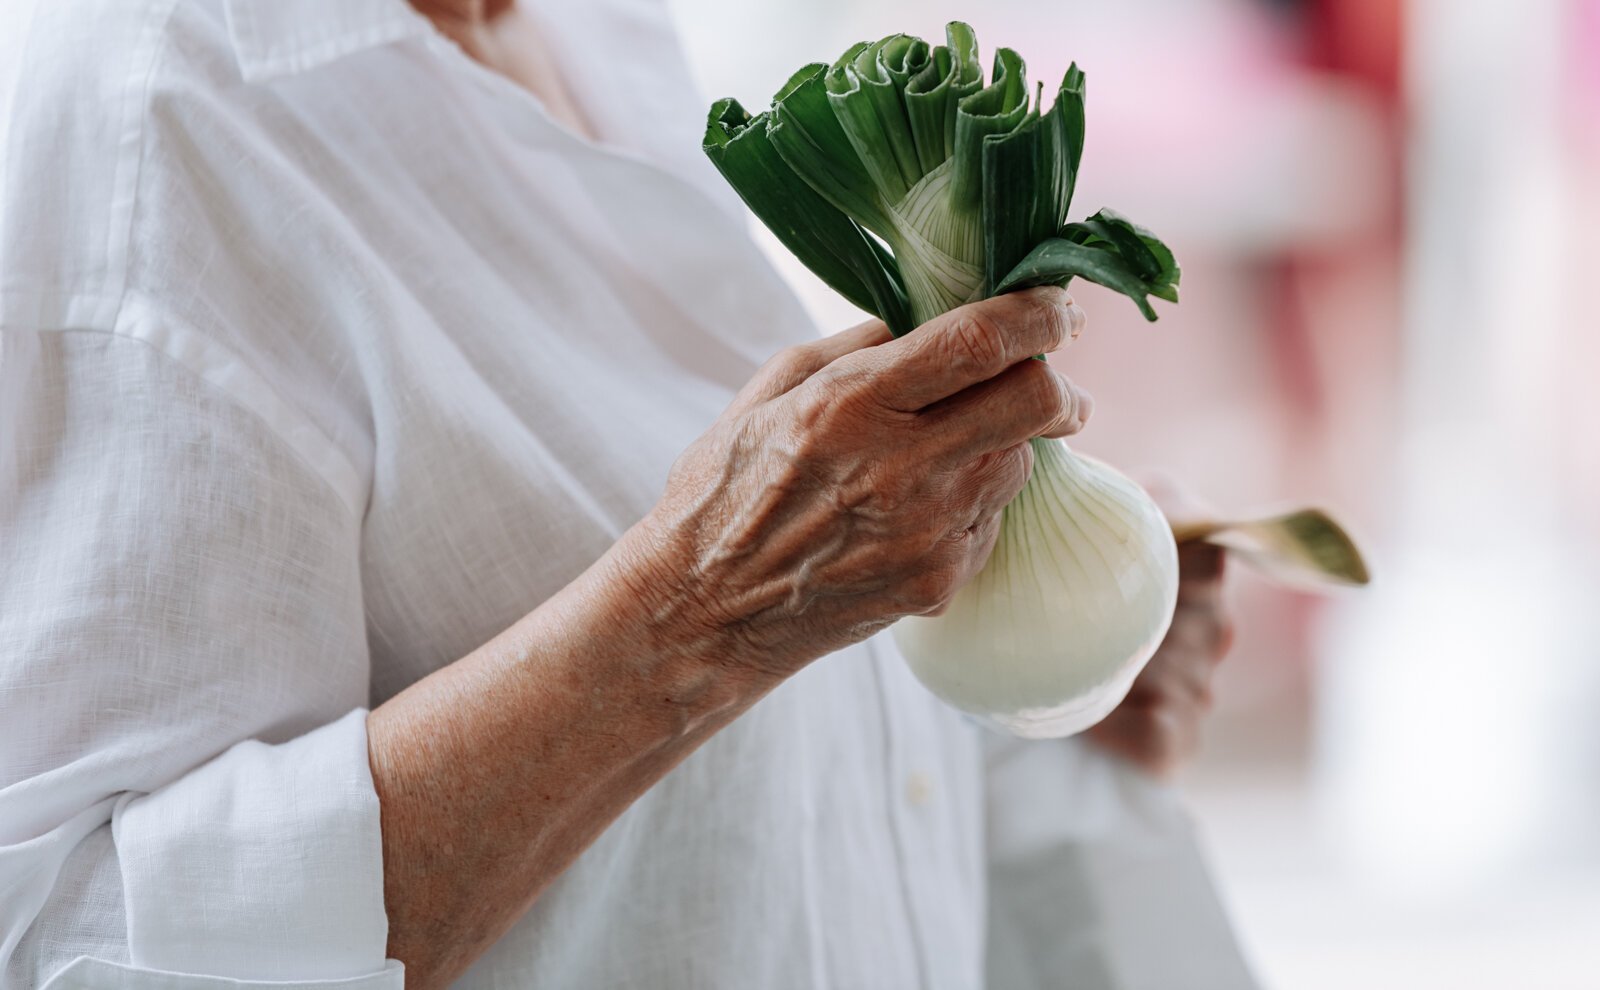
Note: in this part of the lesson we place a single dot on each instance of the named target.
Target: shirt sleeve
(1097, 878)
(185, 797)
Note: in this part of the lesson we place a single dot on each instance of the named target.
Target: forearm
(818, 509)
(494, 773)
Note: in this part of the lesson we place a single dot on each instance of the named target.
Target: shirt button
(919, 788)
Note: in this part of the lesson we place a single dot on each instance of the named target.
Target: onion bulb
(1075, 598)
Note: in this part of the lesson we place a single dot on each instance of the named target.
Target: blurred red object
(1358, 38)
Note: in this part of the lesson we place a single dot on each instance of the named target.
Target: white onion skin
(1074, 600)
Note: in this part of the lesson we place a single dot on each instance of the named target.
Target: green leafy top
(911, 186)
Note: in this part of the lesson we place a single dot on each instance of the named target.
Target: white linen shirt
(325, 355)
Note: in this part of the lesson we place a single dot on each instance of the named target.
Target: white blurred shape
(1448, 746)
(1441, 763)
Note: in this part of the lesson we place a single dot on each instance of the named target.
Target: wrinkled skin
(860, 479)
(854, 481)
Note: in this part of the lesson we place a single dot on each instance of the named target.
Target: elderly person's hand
(860, 479)
(853, 481)
(1158, 725)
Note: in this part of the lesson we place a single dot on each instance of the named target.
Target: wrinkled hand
(856, 480)
(1158, 725)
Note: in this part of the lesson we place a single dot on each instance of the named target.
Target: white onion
(1077, 595)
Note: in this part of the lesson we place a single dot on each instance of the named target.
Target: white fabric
(1142, 911)
(324, 356)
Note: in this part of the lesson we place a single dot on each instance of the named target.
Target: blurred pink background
(1386, 213)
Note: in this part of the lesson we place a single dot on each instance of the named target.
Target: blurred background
(1388, 213)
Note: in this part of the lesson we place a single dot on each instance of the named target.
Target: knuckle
(793, 363)
(1083, 406)
(1022, 463)
(1048, 394)
(932, 587)
(1046, 310)
(980, 486)
(976, 344)
(926, 534)
(1003, 472)
(808, 433)
(848, 382)
(980, 541)
(828, 394)
(783, 371)
(888, 490)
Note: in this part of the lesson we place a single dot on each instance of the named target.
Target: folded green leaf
(823, 238)
(808, 135)
(1057, 261)
(952, 74)
(1066, 127)
(1149, 257)
(964, 187)
(866, 101)
(998, 108)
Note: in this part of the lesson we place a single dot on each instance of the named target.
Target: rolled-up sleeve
(185, 797)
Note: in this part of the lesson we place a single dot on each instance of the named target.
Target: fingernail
(1077, 319)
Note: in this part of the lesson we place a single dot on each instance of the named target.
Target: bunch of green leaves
(911, 185)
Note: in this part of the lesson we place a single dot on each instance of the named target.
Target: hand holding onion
(910, 182)
(858, 480)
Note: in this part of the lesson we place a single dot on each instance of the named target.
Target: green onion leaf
(1064, 124)
(952, 74)
(1142, 250)
(809, 137)
(911, 186)
(1057, 261)
(903, 57)
(822, 237)
(868, 105)
(1013, 165)
(996, 109)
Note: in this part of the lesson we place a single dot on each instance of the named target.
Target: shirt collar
(282, 37)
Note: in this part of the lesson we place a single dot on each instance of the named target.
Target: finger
(968, 345)
(869, 333)
(1173, 679)
(1027, 400)
(1156, 738)
(981, 537)
(1200, 561)
(793, 365)
(960, 557)
(1183, 667)
(1200, 592)
(1084, 405)
(995, 480)
(1203, 634)
(1192, 673)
